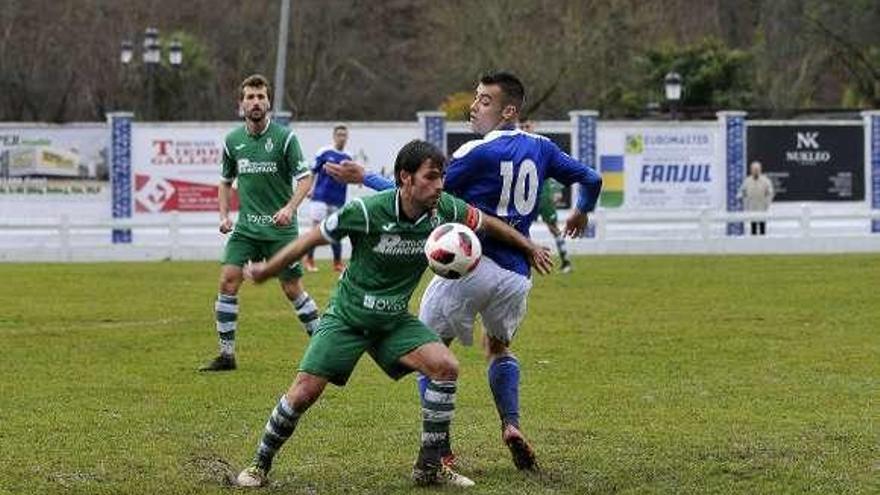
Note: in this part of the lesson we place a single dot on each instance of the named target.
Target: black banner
(562, 139)
(810, 162)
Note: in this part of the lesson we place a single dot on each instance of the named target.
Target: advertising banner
(47, 170)
(177, 167)
(670, 167)
(810, 162)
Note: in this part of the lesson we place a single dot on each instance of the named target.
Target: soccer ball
(453, 250)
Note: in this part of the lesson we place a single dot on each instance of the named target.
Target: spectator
(757, 193)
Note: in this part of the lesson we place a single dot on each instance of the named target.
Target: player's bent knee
(230, 280)
(445, 367)
(292, 288)
(495, 347)
(306, 389)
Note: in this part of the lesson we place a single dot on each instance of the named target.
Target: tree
(714, 76)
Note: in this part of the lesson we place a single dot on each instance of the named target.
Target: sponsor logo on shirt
(394, 245)
(259, 219)
(246, 166)
(385, 304)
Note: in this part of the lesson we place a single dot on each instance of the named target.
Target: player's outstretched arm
(262, 271)
(539, 256)
(352, 172)
(346, 171)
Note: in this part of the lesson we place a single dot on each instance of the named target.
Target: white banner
(176, 167)
(660, 167)
(49, 170)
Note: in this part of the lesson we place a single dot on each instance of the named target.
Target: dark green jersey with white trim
(388, 257)
(266, 165)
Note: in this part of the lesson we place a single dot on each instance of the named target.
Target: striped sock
(560, 247)
(226, 311)
(307, 312)
(437, 411)
(278, 429)
(504, 382)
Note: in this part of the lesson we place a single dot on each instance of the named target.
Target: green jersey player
(368, 309)
(547, 212)
(266, 159)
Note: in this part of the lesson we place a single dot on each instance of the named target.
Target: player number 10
(525, 192)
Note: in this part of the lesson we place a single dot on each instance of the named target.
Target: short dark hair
(338, 127)
(256, 81)
(413, 154)
(512, 88)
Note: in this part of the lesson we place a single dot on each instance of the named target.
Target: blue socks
(504, 382)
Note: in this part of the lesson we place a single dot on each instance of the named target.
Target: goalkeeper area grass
(664, 374)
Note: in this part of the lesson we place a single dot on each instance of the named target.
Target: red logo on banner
(159, 194)
(186, 153)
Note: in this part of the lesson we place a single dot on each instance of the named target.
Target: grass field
(641, 375)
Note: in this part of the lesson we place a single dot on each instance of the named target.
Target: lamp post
(151, 57)
(672, 84)
(126, 52)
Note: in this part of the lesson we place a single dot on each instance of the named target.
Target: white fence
(178, 237)
(802, 230)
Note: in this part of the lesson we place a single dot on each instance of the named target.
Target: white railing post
(64, 237)
(705, 230)
(600, 220)
(805, 221)
(174, 233)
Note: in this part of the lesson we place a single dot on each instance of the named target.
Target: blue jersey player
(328, 194)
(501, 174)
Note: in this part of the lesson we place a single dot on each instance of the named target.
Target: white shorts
(499, 296)
(319, 210)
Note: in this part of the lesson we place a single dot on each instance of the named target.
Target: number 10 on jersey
(523, 188)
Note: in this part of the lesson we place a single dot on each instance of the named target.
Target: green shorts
(241, 248)
(336, 346)
(547, 206)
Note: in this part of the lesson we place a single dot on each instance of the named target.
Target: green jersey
(266, 165)
(547, 201)
(388, 257)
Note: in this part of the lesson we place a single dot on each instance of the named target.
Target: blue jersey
(327, 189)
(502, 175)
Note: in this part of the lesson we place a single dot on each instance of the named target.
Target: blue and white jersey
(326, 188)
(502, 175)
